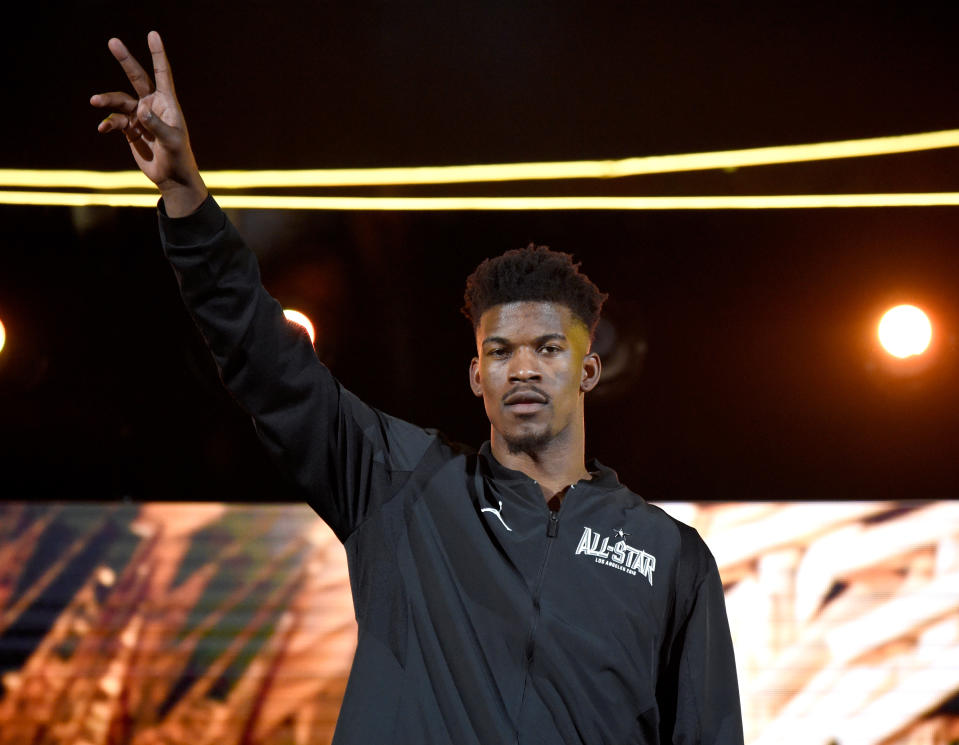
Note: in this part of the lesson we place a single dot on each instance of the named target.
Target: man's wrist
(180, 200)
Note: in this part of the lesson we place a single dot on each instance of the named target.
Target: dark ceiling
(742, 340)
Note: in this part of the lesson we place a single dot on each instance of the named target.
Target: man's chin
(529, 444)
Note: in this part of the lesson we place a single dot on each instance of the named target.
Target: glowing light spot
(905, 331)
(3, 336)
(296, 317)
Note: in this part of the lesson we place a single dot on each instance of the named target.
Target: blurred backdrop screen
(195, 623)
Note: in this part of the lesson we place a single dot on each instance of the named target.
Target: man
(510, 595)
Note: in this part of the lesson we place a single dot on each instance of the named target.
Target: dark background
(740, 343)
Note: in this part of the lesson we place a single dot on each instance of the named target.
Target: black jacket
(484, 618)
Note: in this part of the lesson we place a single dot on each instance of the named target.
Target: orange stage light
(296, 317)
(905, 331)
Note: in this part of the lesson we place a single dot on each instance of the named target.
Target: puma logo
(497, 513)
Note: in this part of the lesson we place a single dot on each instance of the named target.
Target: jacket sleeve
(347, 456)
(698, 692)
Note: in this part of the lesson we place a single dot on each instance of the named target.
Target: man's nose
(524, 366)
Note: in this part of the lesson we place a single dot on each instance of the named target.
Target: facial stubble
(531, 444)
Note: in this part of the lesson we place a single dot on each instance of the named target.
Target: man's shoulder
(408, 445)
(680, 542)
(695, 561)
(691, 551)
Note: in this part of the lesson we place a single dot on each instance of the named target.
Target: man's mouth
(525, 401)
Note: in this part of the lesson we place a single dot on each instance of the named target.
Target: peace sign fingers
(153, 123)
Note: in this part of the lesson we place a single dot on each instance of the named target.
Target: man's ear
(475, 377)
(592, 369)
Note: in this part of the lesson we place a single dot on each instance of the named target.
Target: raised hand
(155, 128)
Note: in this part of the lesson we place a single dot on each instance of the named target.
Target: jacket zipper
(552, 530)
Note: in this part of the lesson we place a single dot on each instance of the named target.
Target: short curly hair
(533, 273)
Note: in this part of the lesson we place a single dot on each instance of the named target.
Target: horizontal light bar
(428, 204)
(498, 172)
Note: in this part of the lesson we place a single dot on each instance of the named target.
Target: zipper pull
(552, 527)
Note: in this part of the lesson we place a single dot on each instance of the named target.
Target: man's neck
(554, 467)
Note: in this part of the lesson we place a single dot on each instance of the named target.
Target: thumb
(154, 124)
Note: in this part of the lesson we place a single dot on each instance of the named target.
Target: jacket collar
(604, 478)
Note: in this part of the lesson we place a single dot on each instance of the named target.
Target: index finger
(161, 66)
(136, 74)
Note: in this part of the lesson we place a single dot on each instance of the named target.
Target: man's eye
(550, 349)
(498, 352)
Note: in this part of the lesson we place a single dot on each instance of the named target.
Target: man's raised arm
(343, 453)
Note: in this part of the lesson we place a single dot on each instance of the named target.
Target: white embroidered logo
(620, 555)
(497, 513)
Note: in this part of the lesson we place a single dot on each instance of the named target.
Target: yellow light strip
(76, 199)
(427, 204)
(499, 172)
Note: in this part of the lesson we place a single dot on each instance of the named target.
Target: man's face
(532, 368)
